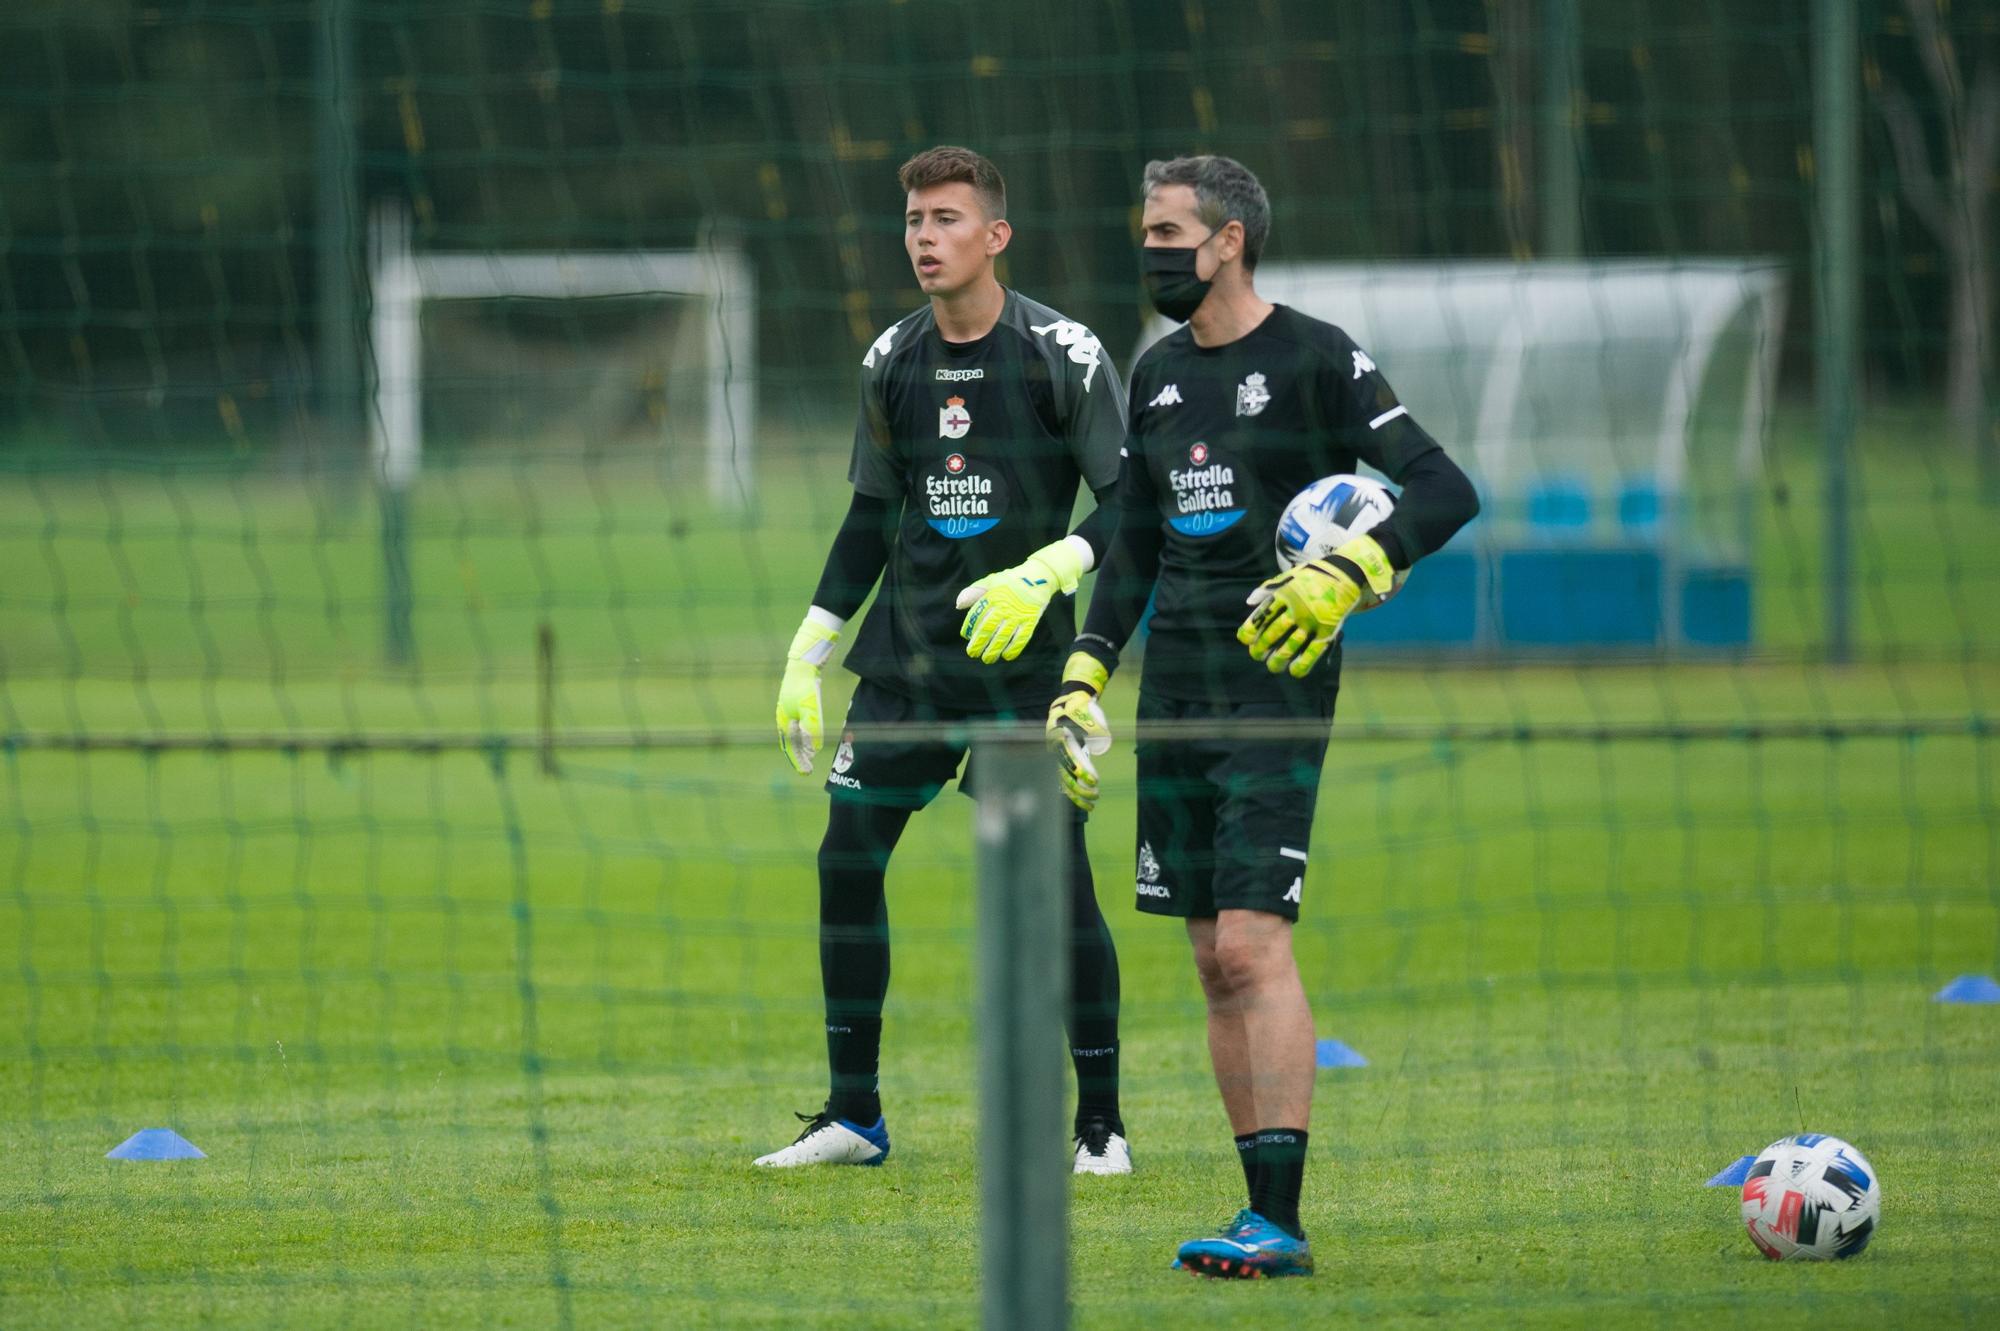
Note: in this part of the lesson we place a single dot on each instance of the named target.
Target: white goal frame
(401, 281)
(1490, 314)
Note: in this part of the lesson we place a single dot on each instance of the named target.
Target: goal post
(1614, 415)
(717, 273)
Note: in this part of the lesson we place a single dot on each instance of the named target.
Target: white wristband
(1082, 547)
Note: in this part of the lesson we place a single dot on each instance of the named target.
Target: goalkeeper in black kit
(1231, 416)
(981, 413)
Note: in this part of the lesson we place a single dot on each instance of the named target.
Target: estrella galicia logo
(961, 499)
(1204, 495)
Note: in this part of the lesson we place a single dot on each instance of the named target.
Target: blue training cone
(1733, 1176)
(1334, 1054)
(156, 1144)
(1969, 989)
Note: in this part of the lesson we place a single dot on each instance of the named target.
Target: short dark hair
(946, 165)
(1224, 191)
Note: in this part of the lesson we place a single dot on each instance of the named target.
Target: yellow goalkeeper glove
(1077, 730)
(1298, 614)
(801, 729)
(1006, 606)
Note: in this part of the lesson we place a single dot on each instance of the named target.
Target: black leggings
(854, 963)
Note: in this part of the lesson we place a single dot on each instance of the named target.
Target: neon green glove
(801, 730)
(1006, 606)
(1077, 730)
(1299, 613)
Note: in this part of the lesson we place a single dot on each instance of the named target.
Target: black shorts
(902, 774)
(1224, 824)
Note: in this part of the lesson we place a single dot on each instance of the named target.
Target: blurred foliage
(158, 174)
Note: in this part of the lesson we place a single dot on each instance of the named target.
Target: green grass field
(470, 1045)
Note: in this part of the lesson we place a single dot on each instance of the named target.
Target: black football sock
(1246, 1151)
(854, 950)
(1281, 1174)
(1093, 1014)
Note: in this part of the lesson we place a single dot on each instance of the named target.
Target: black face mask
(1170, 281)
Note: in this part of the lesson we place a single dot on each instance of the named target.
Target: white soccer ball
(1811, 1198)
(1328, 514)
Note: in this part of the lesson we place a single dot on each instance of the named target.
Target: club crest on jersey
(843, 757)
(953, 419)
(1198, 454)
(1251, 395)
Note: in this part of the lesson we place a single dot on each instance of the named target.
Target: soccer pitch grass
(467, 1044)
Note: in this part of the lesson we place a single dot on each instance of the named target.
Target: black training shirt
(983, 443)
(1221, 439)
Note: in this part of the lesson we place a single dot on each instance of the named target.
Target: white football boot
(833, 1141)
(1099, 1150)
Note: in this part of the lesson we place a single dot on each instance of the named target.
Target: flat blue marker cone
(1969, 989)
(1733, 1176)
(156, 1144)
(1334, 1054)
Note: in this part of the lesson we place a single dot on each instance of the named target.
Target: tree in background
(1953, 201)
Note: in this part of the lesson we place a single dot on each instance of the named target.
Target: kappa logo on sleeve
(1170, 396)
(881, 346)
(1362, 365)
(1084, 348)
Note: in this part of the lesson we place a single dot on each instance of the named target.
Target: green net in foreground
(392, 812)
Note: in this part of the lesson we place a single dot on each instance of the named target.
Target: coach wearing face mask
(1231, 416)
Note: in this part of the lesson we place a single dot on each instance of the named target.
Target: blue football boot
(1248, 1248)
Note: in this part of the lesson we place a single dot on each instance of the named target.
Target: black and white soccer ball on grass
(1329, 513)
(1811, 1198)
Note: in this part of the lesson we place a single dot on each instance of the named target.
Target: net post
(1023, 857)
(1561, 203)
(395, 421)
(337, 237)
(545, 696)
(1837, 306)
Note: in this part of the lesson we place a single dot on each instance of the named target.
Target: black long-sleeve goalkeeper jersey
(983, 444)
(1220, 440)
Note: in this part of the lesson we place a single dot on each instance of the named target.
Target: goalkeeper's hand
(801, 729)
(1006, 606)
(1299, 613)
(1077, 730)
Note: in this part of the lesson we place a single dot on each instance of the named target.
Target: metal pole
(1561, 203)
(395, 416)
(337, 225)
(1837, 288)
(1023, 825)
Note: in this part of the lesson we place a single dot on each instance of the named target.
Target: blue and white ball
(1328, 514)
(1811, 1198)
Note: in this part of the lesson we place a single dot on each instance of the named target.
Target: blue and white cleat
(1248, 1248)
(832, 1141)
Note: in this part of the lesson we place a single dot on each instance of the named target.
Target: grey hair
(1224, 191)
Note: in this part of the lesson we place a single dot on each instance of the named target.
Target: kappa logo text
(1170, 396)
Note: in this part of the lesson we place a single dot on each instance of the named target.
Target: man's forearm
(860, 552)
(1437, 500)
